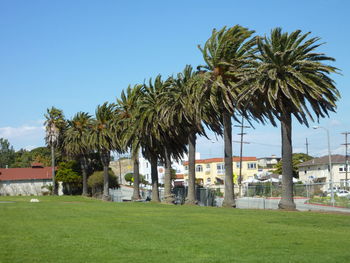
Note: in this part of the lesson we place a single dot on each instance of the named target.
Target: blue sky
(75, 55)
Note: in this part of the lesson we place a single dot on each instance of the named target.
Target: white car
(340, 193)
(343, 193)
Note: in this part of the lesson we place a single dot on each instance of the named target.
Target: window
(208, 180)
(341, 169)
(208, 165)
(186, 167)
(199, 168)
(251, 165)
(220, 167)
(238, 165)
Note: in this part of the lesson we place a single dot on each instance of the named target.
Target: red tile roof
(218, 160)
(179, 176)
(15, 174)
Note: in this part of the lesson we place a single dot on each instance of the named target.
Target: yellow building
(212, 171)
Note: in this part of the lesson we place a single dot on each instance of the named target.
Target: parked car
(341, 193)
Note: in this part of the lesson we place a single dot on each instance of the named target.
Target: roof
(32, 173)
(179, 176)
(336, 158)
(220, 160)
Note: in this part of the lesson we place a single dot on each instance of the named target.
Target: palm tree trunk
(154, 175)
(287, 201)
(105, 158)
(54, 185)
(191, 193)
(83, 164)
(229, 200)
(136, 175)
(168, 196)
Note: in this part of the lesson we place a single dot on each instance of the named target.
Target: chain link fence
(257, 195)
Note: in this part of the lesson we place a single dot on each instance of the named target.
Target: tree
(7, 153)
(185, 107)
(24, 158)
(159, 140)
(76, 142)
(69, 173)
(226, 53)
(103, 139)
(129, 177)
(55, 126)
(297, 159)
(127, 106)
(291, 78)
(97, 182)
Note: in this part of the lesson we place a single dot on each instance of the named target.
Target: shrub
(95, 182)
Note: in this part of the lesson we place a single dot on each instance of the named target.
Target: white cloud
(25, 136)
(15, 132)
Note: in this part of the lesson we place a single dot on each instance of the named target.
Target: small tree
(129, 177)
(96, 182)
(69, 173)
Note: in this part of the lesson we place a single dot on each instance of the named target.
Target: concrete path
(272, 203)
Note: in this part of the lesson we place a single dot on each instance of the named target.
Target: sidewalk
(272, 203)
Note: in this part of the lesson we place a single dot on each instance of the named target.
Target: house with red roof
(25, 181)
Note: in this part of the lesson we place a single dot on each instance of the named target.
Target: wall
(23, 187)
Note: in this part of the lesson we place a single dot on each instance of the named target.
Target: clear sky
(75, 55)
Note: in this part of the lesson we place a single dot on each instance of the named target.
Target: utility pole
(346, 158)
(242, 133)
(307, 147)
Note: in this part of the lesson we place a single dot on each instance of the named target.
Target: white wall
(23, 187)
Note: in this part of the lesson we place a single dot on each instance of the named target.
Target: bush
(69, 173)
(95, 182)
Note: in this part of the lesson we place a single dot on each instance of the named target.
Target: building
(25, 181)
(145, 168)
(210, 172)
(268, 162)
(317, 170)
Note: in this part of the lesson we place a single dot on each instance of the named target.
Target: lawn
(76, 229)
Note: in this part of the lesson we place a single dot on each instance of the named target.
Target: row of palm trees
(263, 79)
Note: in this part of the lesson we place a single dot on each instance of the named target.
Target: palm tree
(227, 53)
(103, 139)
(76, 142)
(291, 79)
(127, 105)
(186, 107)
(55, 126)
(158, 140)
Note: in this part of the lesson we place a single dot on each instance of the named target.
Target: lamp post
(330, 163)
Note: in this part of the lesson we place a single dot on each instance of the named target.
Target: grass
(76, 229)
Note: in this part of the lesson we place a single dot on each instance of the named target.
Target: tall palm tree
(226, 53)
(157, 140)
(76, 142)
(292, 79)
(186, 108)
(103, 139)
(55, 125)
(127, 106)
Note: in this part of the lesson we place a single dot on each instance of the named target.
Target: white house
(268, 162)
(318, 169)
(25, 181)
(145, 168)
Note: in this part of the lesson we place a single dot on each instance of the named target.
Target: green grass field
(76, 229)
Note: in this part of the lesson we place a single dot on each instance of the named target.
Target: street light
(330, 162)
